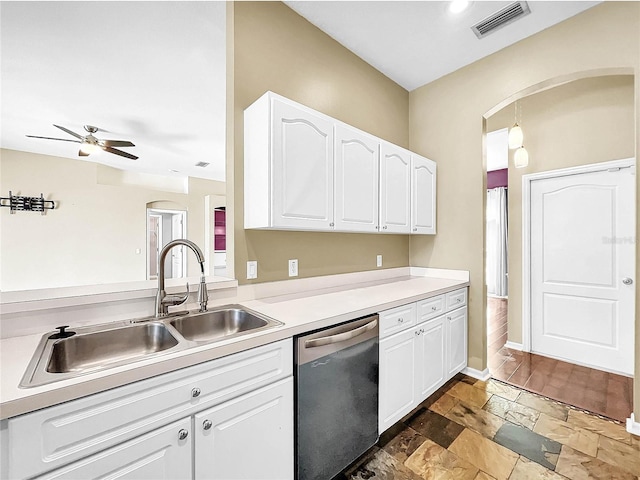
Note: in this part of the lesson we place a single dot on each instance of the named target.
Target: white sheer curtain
(497, 263)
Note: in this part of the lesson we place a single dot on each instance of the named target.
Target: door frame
(526, 229)
(160, 211)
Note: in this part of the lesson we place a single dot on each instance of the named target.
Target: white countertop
(299, 313)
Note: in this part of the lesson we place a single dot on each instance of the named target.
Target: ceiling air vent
(202, 164)
(503, 17)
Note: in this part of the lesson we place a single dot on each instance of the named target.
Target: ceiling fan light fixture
(89, 148)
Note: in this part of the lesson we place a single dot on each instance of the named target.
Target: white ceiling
(149, 72)
(416, 42)
(153, 72)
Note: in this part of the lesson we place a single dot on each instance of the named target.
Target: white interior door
(582, 268)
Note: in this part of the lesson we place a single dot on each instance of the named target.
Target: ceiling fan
(90, 144)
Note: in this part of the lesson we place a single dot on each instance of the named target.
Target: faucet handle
(176, 299)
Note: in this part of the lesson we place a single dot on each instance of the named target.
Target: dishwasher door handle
(341, 337)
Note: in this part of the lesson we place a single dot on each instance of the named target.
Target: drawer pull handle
(195, 392)
(207, 424)
(182, 434)
(433, 308)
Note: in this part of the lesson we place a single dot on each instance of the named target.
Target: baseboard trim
(483, 375)
(513, 345)
(633, 426)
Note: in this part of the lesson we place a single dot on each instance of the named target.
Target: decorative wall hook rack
(30, 204)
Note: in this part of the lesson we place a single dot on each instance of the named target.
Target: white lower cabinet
(397, 381)
(248, 437)
(430, 356)
(456, 340)
(155, 428)
(418, 360)
(165, 454)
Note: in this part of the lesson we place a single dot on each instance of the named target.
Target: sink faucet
(164, 301)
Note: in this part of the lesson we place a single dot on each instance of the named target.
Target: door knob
(627, 281)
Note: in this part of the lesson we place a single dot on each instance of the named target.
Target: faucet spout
(163, 301)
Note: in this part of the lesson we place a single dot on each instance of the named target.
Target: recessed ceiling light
(202, 164)
(174, 171)
(457, 6)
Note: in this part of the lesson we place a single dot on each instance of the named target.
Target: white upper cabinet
(423, 195)
(395, 189)
(288, 166)
(356, 180)
(304, 170)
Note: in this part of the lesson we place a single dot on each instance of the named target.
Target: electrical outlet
(293, 268)
(379, 261)
(252, 269)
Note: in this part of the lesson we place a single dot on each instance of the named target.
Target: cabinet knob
(433, 308)
(415, 229)
(626, 281)
(458, 300)
(384, 228)
(331, 224)
(182, 434)
(207, 424)
(195, 392)
(400, 320)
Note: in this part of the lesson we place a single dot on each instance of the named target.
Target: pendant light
(516, 139)
(516, 136)
(521, 157)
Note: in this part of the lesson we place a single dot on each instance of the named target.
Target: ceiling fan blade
(115, 143)
(51, 138)
(82, 154)
(69, 131)
(119, 152)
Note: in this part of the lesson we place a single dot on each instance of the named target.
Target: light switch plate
(252, 269)
(379, 261)
(293, 268)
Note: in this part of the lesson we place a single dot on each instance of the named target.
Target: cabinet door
(302, 159)
(163, 454)
(397, 378)
(456, 340)
(247, 437)
(356, 174)
(430, 362)
(395, 189)
(423, 195)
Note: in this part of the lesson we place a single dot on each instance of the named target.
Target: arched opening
(578, 119)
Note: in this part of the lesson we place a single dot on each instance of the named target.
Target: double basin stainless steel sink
(96, 348)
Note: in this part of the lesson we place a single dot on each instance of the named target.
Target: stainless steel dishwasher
(336, 397)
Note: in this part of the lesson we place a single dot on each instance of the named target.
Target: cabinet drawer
(397, 319)
(52, 437)
(430, 308)
(455, 299)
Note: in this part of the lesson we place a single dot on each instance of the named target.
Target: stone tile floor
(478, 430)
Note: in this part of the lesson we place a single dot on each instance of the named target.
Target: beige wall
(447, 124)
(276, 49)
(578, 123)
(93, 234)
